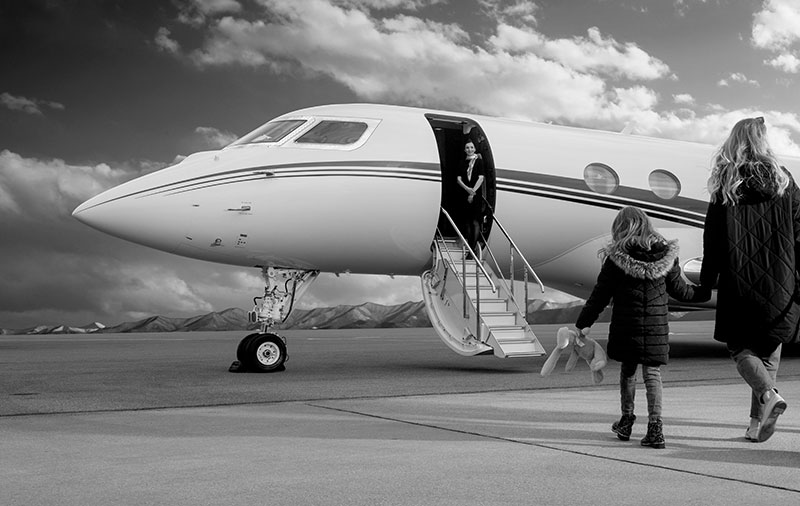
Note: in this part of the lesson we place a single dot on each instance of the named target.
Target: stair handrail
(515, 247)
(471, 253)
(508, 288)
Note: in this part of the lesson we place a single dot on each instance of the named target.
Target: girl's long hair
(745, 158)
(632, 228)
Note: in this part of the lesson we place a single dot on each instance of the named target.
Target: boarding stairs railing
(470, 303)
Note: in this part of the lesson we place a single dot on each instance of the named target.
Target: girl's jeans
(759, 372)
(652, 383)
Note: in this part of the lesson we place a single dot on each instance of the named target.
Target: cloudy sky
(94, 93)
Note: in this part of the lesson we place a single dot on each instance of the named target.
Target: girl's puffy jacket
(639, 282)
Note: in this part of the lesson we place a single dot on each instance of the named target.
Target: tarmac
(539, 447)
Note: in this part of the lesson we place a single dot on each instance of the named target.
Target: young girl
(640, 269)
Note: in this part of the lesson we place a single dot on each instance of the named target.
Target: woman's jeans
(652, 383)
(759, 372)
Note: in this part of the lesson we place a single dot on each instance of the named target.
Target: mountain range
(363, 316)
(367, 315)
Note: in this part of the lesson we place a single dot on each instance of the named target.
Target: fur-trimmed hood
(645, 264)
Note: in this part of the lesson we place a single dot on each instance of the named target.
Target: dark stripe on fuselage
(681, 210)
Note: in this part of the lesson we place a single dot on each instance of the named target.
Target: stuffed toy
(580, 346)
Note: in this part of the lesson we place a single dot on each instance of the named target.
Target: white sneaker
(774, 406)
(751, 434)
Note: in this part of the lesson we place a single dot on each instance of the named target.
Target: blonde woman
(750, 249)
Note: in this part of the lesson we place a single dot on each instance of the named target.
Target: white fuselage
(372, 206)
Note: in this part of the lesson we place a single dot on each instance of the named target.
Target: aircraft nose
(84, 214)
(126, 217)
(99, 213)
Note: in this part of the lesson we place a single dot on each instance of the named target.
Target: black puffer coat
(751, 249)
(639, 282)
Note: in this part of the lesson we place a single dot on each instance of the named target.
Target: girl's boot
(655, 435)
(623, 427)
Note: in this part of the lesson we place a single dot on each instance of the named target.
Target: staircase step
(486, 293)
(494, 305)
(510, 333)
(472, 280)
(530, 349)
(457, 254)
(469, 271)
(496, 319)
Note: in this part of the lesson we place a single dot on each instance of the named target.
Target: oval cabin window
(664, 184)
(601, 178)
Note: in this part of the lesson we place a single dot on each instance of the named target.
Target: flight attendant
(471, 181)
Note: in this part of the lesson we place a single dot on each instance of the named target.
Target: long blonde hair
(632, 227)
(745, 156)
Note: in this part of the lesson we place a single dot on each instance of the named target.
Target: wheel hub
(268, 353)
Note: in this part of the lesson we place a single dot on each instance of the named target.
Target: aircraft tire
(241, 350)
(264, 353)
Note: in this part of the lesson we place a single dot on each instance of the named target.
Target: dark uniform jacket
(639, 282)
(750, 250)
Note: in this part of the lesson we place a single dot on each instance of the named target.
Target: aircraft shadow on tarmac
(775, 458)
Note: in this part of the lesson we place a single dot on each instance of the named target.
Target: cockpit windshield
(333, 132)
(273, 131)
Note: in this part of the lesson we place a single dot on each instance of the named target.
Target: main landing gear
(265, 351)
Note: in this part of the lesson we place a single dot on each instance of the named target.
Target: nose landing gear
(261, 352)
(265, 351)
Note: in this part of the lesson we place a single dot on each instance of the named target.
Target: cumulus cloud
(215, 138)
(594, 80)
(777, 25)
(737, 77)
(196, 12)
(41, 189)
(165, 43)
(52, 254)
(713, 127)
(352, 289)
(142, 290)
(593, 53)
(411, 5)
(682, 7)
(788, 63)
(414, 61)
(27, 105)
(683, 99)
(776, 28)
(519, 12)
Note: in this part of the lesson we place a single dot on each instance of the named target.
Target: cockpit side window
(334, 132)
(273, 131)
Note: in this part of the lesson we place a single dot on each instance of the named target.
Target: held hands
(701, 293)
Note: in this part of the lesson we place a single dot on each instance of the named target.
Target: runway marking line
(553, 448)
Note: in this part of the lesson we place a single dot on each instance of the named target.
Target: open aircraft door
(471, 305)
(452, 133)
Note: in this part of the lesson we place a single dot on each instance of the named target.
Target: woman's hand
(469, 199)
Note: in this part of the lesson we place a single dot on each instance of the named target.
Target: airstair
(471, 305)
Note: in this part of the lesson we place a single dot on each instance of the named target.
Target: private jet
(371, 189)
